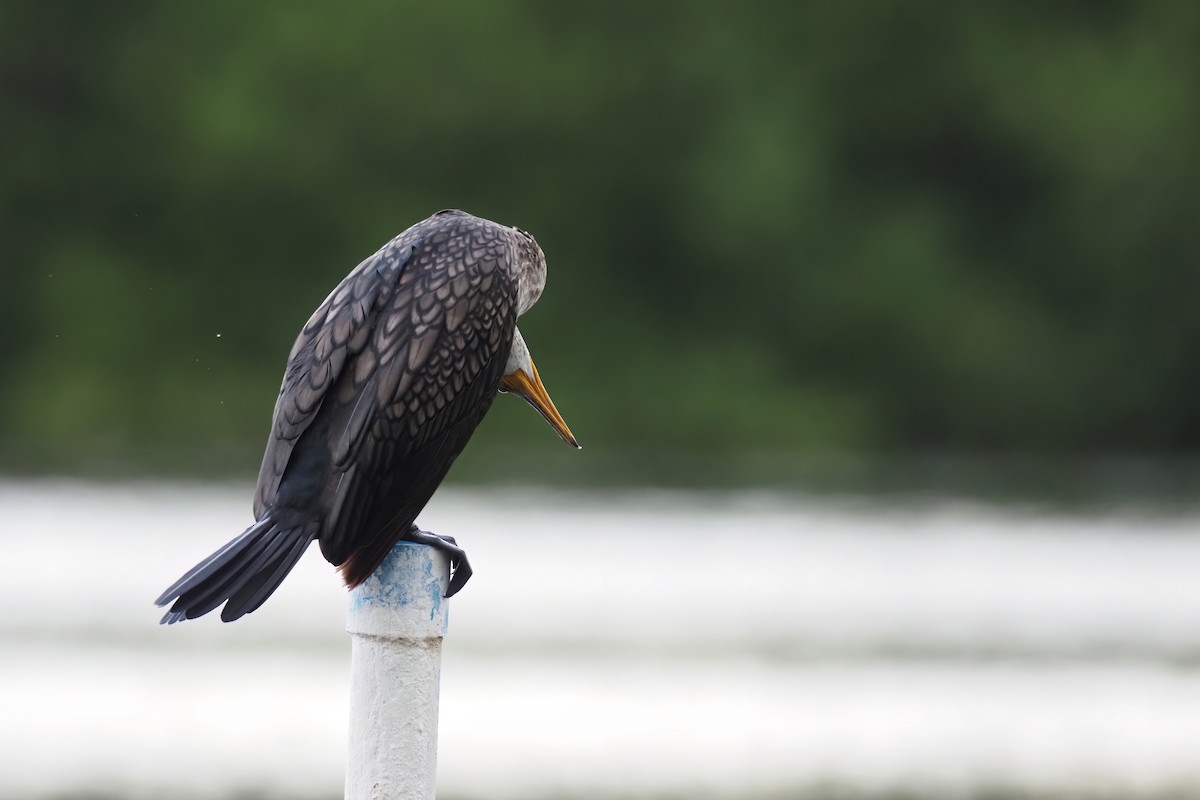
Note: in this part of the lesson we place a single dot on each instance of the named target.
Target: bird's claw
(460, 573)
(460, 567)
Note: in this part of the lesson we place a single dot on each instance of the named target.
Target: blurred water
(622, 646)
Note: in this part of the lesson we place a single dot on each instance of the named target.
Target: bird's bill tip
(530, 387)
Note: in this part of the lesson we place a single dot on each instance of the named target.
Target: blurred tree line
(772, 228)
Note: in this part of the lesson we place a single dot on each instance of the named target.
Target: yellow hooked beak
(530, 387)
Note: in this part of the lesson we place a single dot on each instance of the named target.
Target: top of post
(404, 598)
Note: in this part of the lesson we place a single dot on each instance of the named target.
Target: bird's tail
(244, 572)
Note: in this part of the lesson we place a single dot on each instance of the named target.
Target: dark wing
(337, 332)
(409, 392)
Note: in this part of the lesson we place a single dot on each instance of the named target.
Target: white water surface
(630, 645)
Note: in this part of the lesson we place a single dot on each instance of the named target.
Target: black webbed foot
(460, 567)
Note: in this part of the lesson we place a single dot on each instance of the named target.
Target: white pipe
(397, 620)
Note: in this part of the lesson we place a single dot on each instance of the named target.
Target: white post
(397, 620)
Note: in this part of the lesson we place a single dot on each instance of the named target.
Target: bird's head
(521, 378)
(531, 270)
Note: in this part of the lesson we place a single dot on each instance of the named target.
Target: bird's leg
(460, 567)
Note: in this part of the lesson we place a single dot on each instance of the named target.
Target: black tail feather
(214, 562)
(245, 572)
(204, 597)
(253, 594)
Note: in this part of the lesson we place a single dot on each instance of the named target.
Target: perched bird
(384, 386)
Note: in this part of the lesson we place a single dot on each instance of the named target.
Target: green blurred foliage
(772, 228)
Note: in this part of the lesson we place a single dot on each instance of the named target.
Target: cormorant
(384, 386)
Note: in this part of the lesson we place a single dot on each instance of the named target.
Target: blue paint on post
(433, 585)
(411, 581)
